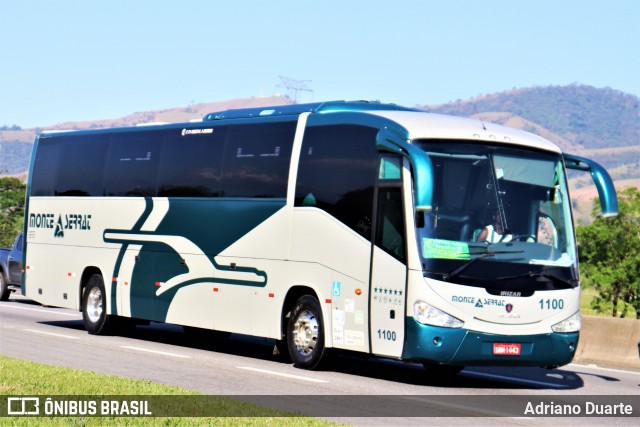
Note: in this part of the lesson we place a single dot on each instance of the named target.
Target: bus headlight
(571, 324)
(428, 315)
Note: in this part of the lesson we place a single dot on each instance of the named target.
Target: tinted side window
(256, 160)
(45, 166)
(191, 164)
(390, 223)
(81, 165)
(337, 172)
(132, 164)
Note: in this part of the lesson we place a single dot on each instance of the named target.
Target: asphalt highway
(243, 365)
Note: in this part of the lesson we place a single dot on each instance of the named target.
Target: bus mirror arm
(391, 142)
(602, 180)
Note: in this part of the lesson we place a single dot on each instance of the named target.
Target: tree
(12, 194)
(609, 252)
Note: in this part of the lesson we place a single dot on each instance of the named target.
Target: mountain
(578, 116)
(177, 115)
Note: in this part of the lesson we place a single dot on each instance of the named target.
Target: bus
(355, 226)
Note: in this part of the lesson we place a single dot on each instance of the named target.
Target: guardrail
(610, 342)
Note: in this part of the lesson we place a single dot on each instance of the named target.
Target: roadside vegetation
(609, 251)
(22, 378)
(12, 192)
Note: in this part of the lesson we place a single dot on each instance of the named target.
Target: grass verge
(22, 378)
(587, 294)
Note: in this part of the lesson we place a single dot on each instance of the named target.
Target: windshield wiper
(571, 282)
(456, 271)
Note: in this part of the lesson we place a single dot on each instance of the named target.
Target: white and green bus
(342, 225)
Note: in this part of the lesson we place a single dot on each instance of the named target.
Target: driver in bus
(494, 233)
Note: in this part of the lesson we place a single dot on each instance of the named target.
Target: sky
(75, 60)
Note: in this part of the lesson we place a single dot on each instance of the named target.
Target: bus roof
(438, 126)
(297, 109)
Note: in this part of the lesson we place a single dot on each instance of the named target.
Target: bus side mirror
(390, 142)
(602, 180)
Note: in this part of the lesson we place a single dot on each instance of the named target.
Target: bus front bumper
(462, 347)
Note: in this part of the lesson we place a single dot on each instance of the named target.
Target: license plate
(501, 349)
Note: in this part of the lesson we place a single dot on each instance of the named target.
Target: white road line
(576, 365)
(42, 311)
(514, 379)
(164, 353)
(53, 334)
(280, 374)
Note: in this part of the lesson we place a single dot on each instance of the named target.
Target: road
(245, 365)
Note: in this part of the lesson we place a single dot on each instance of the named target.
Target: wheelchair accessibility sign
(337, 288)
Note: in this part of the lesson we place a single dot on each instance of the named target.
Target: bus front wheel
(94, 307)
(305, 333)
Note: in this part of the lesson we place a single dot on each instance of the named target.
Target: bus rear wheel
(305, 333)
(94, 307)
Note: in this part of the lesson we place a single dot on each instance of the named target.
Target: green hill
(582, 116)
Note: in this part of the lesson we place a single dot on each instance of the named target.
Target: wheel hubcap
(94, 305)
(305, 332)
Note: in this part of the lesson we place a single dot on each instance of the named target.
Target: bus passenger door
(387, 290)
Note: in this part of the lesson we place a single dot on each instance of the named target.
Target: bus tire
(4, 289)
(305, 333)
(94, 307)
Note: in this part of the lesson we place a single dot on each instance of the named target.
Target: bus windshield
(501, 218)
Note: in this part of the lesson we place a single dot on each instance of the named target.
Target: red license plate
(501, 349)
